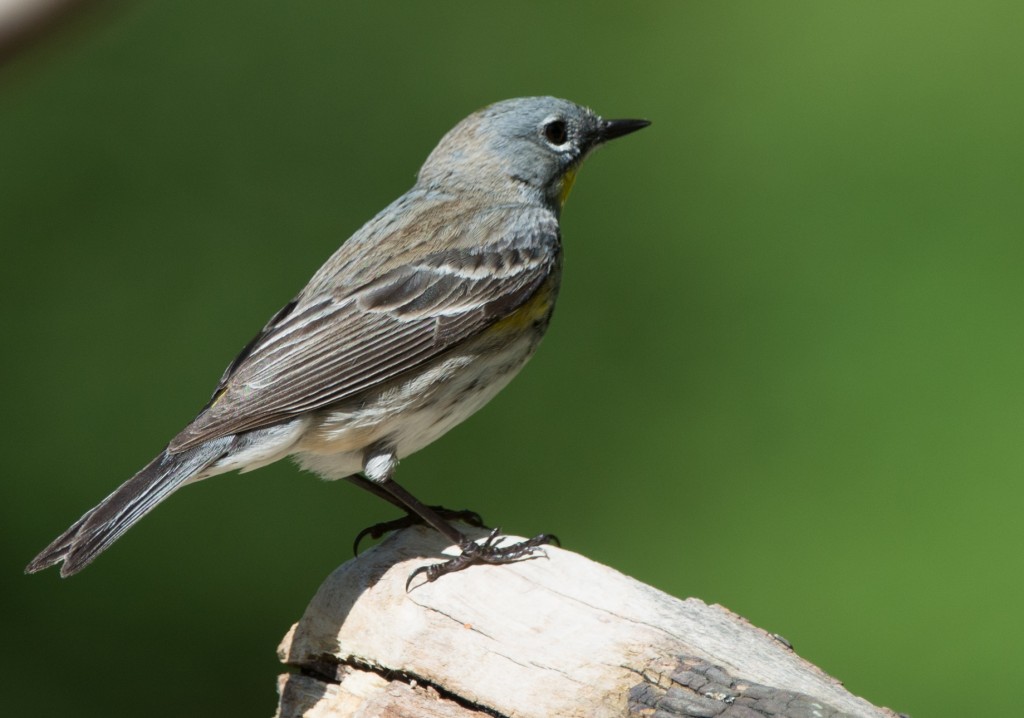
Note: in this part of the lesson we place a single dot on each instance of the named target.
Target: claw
(486, 552)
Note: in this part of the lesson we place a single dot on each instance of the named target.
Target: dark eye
(555, 132)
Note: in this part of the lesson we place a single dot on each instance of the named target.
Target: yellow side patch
(535, 308)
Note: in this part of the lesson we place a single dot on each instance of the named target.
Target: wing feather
(323, 350)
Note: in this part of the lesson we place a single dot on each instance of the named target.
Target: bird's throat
(568, 180)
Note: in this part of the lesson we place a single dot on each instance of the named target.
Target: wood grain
(551, 636)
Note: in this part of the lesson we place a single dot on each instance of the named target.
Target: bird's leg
(379, 466)
(487, 552)
(410, 519)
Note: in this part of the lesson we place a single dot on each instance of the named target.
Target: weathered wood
(24, 21)
(556, 636)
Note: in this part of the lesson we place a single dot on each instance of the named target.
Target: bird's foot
(377, 530)
(486, 552)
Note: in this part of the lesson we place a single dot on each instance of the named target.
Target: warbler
(411, 326)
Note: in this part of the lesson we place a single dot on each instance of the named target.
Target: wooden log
(550, 636)
(22, 22)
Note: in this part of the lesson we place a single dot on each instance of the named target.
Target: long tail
(101, 526)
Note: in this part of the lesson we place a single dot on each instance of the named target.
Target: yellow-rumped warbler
(412, 325)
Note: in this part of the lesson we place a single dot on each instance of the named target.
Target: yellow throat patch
(568, 180)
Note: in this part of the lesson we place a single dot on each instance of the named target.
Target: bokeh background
(784, 374)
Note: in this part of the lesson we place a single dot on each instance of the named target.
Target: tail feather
(92, 534)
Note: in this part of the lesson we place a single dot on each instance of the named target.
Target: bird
(412, 325)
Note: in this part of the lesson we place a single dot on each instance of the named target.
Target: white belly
(411, 412)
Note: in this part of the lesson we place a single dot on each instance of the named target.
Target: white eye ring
(555, 131)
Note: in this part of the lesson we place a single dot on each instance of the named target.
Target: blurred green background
(784, 374)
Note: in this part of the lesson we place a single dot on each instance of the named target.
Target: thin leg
(410, 519)
(472, 552)
(375, 489)
(379, 465)
(426, 513)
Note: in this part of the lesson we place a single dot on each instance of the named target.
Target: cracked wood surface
(557, 636)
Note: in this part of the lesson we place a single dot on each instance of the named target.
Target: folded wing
(326, 349)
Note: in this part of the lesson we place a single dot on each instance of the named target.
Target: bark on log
(556, 636)
(24, 21)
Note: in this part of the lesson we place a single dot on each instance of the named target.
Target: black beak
(610, 129)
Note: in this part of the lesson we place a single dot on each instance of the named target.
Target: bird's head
(528, 146)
